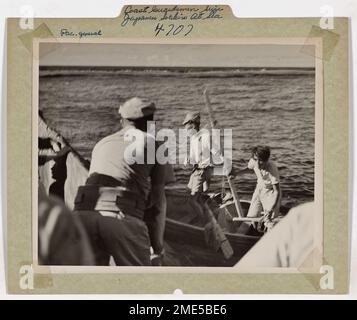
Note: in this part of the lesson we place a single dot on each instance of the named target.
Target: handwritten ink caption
(180, 18)
(80, 34)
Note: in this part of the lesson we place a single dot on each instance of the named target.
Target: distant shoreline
(224, 72)
(52, 67)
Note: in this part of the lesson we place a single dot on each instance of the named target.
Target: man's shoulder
(110, 138)
(129, 134)
(204, 132)
(135, 132)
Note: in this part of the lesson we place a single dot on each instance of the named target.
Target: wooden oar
(218, 239)
(230, 182)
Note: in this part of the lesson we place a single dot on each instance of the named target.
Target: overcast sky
(170, 55)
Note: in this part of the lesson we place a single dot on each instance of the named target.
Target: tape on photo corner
(42, 31)
(329, 42)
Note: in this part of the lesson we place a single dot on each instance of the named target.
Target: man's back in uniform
(113, 202)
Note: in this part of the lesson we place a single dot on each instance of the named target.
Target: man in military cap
(121, 195)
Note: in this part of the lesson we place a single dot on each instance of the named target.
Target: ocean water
(273, 107)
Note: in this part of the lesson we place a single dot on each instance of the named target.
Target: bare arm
(156, 225)
(276, 194)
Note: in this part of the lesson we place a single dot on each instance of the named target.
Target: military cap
(193, 116)
(136, 108)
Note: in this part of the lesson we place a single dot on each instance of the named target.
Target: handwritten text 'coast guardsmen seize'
(133, 15)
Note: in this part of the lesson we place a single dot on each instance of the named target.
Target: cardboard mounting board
(189, 25)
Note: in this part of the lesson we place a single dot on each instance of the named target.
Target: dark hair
(262, 152)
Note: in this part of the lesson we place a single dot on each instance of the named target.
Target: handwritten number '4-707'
(172, 29)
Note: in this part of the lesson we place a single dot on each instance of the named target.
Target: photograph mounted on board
(178, 154)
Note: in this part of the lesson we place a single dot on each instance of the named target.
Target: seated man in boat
(113, 202)
(201, 153)
(267, 194)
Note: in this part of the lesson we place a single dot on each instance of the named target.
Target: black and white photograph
(178, 155)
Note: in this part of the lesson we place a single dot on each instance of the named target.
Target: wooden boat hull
(181, 228)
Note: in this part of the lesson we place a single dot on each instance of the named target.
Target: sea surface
(273, 107)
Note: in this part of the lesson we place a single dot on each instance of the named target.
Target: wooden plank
(247, 219)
